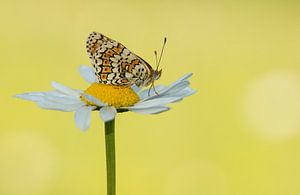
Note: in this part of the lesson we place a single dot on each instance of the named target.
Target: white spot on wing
(128, 75)
(110, 76)
(126, 51)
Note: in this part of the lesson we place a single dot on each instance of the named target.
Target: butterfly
(115, 65)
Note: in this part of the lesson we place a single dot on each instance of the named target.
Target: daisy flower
(108, 100)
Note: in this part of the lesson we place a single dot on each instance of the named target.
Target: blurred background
(238, 135)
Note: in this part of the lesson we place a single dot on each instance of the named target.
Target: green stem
(110, 157)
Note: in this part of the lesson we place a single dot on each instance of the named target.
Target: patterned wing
(114, 63)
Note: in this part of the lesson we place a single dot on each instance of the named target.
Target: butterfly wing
(114, 63)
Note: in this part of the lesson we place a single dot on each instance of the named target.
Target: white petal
(32, 96)
(83, 117)
(177, 84)
(60, 94)
(152, 110)
(52, 100)
(145, 92)
(159, 101)
(36, 96)
(93, 100)
(178, 87)
(62, 99)
(183, 93)
(88, 74)
(62, 103)
(58, 106)
(184, 77)
(65, 89)
(107, 113)
(135, 88)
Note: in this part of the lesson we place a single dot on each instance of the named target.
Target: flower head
(117, 96)
(108, 99)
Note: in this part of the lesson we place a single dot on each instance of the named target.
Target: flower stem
(110, 157)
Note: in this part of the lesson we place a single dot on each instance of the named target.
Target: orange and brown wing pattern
(114, 63)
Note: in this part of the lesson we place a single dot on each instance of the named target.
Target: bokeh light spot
(272, 105)
(28, 164)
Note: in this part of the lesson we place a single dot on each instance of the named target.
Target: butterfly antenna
(152, 83)
(157, 66)
(156, 60)
(161, 53)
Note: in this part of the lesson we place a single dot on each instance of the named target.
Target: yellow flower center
(117, 96)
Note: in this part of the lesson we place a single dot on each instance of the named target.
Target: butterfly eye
(157, 74)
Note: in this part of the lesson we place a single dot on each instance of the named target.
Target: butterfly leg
(152, 86)
(149, 90)
(155, 91)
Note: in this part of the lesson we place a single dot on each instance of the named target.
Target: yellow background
(239, 135)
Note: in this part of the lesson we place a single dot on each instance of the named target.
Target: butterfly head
(156, 74)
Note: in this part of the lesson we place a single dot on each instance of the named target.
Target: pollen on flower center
(117, 96)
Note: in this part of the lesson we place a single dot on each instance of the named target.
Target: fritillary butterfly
(116, 65)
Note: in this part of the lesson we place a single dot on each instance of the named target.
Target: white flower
(66, 99)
